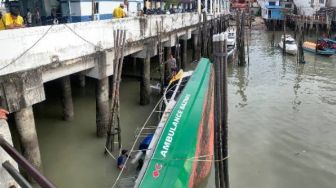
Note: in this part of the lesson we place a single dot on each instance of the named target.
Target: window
(271, 3)
(96, 7)
(321, 1)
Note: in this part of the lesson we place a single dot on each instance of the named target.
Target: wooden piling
(241, 38)
(25, 124)
(114, 129)
(102, 106)
(221, 136)
(284, 37)
(195, 46)
(224, 115)
(68, 109)
(300, 58)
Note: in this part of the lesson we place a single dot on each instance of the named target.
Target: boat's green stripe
(175, 171)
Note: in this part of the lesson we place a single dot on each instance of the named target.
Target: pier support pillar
(168, 51)
(68, 110)
(145, 82)
(82, 79)
(102, 106)
(195, 51)
(185, 54)
(25, 124)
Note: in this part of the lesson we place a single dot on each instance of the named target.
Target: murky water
(282, 119)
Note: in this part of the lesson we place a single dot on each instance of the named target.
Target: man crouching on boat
(171, 68)
(122, 159)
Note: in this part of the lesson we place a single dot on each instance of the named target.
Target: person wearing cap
(119, 12)
(122, 159)
(11, 20)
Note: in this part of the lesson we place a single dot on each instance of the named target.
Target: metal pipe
(30, 169)
(16, 175)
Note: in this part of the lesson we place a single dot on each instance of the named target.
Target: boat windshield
(290, 42)
(231, 36)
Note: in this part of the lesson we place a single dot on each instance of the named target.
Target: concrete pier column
(134, 65)
(82, 80)
(145, 82)
(196, 52)
(167, 52)
(68, 110)
(185, 54)
(25, 124)
(102, 106)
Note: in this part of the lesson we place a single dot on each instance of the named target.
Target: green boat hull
(183, 155)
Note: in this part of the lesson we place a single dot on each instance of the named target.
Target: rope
(79, 36)
(28, 49)
(192, 159)
(133, 146)
(108, 151)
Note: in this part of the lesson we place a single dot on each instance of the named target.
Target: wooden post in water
(284, 36)
(316, 35)
(114, 118)
(273, 33)
(68, 110)
(224, 124)
(241, 39)
(300, 58)
(185, 52)
(178, 52)
(159, 28)
(221, 146)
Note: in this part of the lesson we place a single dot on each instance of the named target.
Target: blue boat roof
(273, 6)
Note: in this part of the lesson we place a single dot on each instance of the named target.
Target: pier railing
(24, 164)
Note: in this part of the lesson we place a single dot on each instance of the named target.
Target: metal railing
(24, 164)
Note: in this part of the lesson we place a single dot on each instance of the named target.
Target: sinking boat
(187, 135)
(181, 150)
(291, 47)
(319, 49)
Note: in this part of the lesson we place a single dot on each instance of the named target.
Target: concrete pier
(25, 125)
(145, 89)
(5, 179)
(102, 106)
(68, 109)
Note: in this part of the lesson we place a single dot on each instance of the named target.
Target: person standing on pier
(11, 20)
(170, 69)
(119, 12)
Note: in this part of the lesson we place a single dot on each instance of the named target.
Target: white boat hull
(290, 49)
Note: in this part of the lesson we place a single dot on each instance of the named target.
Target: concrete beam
(149, 50)
(170, 42)
(22, 90)
(103, 65)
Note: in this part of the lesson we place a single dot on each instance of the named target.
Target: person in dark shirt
(122, 159)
